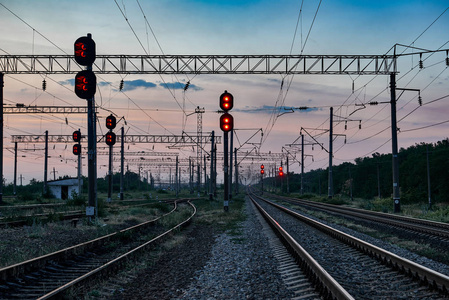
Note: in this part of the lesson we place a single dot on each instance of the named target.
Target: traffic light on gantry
(281, 173)
(226, 101)
(111, 122)
(85, 51)
(85, 84)
(262, 171)
(110, 138)
(226, 122)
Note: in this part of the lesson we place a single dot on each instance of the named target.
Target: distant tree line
(371, 177)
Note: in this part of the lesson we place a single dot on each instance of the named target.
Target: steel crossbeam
(44, 109)
(204, 64)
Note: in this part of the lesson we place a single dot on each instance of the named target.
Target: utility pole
(236, 167)
(330, 192)
(176, 177)
(15, 169)
(428, 177)
(286, 165)
(1, 136)
(46, 162)
(122, 161)
(302, 164)
(54, 173)
(211, 191)
(394, 144)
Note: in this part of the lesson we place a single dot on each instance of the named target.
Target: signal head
(226, 101)
(110, 138)
(262, 167)
(262, 171)
(77, 149)
(76, 136)
(226, 122)
(85, 84)
(111, 122)
(85, 51)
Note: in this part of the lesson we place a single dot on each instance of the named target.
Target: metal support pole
(302, 164)
(226, 175)
(46, 163)
(122, 161)
(205, 174)
(286, 165)
(211, 190)
(215, 171)
(230, 163)
(176, 177)
(330, 192)
(428, 177)
(236, 167)
(15, 169)
(394, 144)
(79, 173)
(110, 174)
(91, 159)
(1, 136)
(378, 180)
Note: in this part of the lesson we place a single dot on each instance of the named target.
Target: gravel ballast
(212, 265)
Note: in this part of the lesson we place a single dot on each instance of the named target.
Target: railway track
(30, 217)
(66, 271)
(363, 270)
(434, 229)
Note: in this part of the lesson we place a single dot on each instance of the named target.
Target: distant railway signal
(110, 138)
(76, 136)
(77, 149)
(111, 122)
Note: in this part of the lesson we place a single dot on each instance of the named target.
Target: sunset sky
(230, 27)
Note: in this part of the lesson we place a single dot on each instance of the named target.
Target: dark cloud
(179, 86)
(130, 85)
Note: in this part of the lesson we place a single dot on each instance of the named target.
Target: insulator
(373, 103)
(186, 86)
(303, 107)
(447, 61)
(312, 148)
(345, 140)
(360, 124)
(421, 64)
(420, 100)
(121, 85)
(346, 125)
(44, 85)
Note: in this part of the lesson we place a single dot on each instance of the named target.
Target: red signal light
(262, 172)
(226, 101)
(226, 122)
(111, 122)
(280, 169)
(281, 173)
(85, 51)
(110, 138)
(262, 167)
(76, 136)
(85, 84)
(77, 149)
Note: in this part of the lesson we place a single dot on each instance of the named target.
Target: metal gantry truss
(204, 64)
(154, 139)
(21, 109)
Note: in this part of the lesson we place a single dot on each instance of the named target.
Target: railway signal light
(281, 173)
(76, 136)
(85, 84)
(110, 138)
(77, 149)
(226, 122)
(226, 101)
(262, 172)
(262, 167)
(85, 51)
(111, 122)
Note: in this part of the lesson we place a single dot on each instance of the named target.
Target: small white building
(63, 188)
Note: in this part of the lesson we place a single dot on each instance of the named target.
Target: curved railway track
(56, 274)
(363, 270)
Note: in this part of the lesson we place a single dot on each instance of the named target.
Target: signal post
(85, 88)
(226, 125)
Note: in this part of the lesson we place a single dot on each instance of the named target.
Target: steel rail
(325, 283)
(410, 268)
(57, 293)
(434, 228)
(39, 262)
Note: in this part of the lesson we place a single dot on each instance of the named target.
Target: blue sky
(231, 27)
